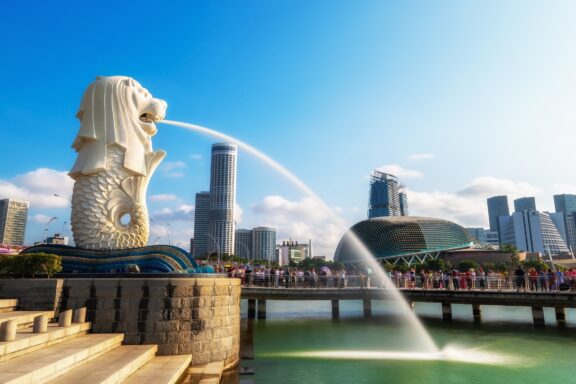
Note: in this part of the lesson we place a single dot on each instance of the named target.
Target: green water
(523, 354)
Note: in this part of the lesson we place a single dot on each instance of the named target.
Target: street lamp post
(217, 246)
(46, 228)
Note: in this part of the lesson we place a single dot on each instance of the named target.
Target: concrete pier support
(560, 316)
(446, 311)
(367, 304)
(65, 318)
(8, 330)
(335, 309)
(538, 316)
(477, 313)
(261, 308)
(40, 324)
(252, 308)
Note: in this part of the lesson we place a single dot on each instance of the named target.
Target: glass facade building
(264, 243)
(525, 204)
(387, 196)
(533, 231)
(221, 221)
(13, 218)
(566, 204)
(200, 243)
(243, 243)
(497, 206)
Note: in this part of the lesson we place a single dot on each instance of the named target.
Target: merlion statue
(114, 164)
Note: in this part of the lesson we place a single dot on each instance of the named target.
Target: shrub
(30, 264)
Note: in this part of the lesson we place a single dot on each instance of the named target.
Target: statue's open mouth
(149, 118)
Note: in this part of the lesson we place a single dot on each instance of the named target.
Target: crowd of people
(521, 279)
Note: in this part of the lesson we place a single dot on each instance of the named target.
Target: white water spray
(425, 342)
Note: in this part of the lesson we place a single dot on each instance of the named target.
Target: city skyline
(453, 98)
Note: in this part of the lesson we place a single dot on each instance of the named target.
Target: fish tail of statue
(114, 165)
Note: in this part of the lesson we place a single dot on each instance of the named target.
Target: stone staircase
(66, 352)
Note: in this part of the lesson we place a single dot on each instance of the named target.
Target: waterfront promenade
(502, 292)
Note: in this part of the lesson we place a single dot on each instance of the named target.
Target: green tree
(465, 265)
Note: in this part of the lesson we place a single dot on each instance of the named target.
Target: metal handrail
(452, 283)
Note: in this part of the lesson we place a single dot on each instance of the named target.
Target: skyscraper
(387, 196)
(221, 222)
(497, 206)
(534, 231)
(525, 204)
(264, 243)
(13, 217)
(566, 205)
(243, 243)
(201, 224)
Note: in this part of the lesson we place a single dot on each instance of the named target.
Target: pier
(537, 300)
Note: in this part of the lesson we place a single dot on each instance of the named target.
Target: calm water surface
(527, 355)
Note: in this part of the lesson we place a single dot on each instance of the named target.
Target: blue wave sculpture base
(149, 259)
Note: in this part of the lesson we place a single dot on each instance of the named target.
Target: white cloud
(40, 218)
(196, 156)
(38, 187)
(467, 206)
(163, 197)
(300, 220)
(183, 212)
(421, 156)
(170, 169)
(487, 186)
(561, 188)
(169, 166)
(399, 171)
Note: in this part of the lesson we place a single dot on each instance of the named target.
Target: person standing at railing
(520, 276)
(533, 279)
(455, 278)
(481, 278)
(446, 279)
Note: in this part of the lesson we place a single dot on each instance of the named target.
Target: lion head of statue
(116, 110)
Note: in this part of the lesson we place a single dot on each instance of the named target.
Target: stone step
(112, 367)
(27, 341)
(8, 305)
(210, 373)
(50, 362)
(161, 370)
(24, 318)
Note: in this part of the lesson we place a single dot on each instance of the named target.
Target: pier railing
(450, 283)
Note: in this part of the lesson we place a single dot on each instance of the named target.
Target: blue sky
(461, 99)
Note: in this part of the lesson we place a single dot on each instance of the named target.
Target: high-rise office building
(534, 231)
(264, 243)
(497, 206)
(13, 218)
(387, 196)
(566, 204)
(243, 243)
(525, 204)
(221, 222)
(201, 238)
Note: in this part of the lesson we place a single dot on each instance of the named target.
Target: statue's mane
(108, 117)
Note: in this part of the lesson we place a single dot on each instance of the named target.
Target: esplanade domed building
(408, 239)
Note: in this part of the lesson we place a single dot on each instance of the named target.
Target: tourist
(533, 278)
(520, 276)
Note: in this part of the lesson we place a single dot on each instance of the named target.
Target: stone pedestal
(198, 316)
(538, 316)
(446, 312)
(335, 309)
